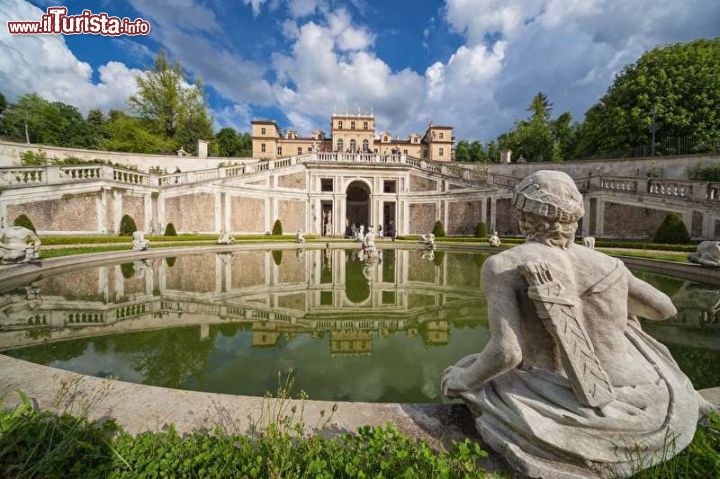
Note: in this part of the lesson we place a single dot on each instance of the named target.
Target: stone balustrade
(681, 189)
(619, 183)
(24, 176)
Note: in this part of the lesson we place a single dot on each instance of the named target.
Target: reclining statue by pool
(18, 245)
(708, 254)
(569, 385)
(139, 243)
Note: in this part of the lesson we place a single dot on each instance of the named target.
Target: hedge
(127, 226)
(438, 229)
(672, 230)
(170, 230)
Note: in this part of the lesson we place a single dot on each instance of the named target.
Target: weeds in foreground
(279, 445)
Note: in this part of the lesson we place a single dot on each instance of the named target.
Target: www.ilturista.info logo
(57, 21)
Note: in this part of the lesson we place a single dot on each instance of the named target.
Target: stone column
(708, 226)
(227, 211)
(147, 205)
(341, 216)
(586, 217)
(600, 218)
(218, 212)
(117, 210)
(493, 211)
(101, 208)
(446, 216)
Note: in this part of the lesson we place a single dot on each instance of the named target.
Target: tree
(170, 230)
(277, 228)
(230, 143)
(127, 133)
(462, 151)
(477, 152)
(174, 106)
(3, 103)
(481, 230)
(679, 81)
(97, 128)
(127, 226)
(438, 229)
(493, 152)
(24, 221)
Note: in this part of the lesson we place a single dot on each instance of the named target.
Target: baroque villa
(351, 134)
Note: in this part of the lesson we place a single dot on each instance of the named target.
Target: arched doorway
(358, 204)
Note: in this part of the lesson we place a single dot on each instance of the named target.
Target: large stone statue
(708, 254)
(18, 245)
(494, 239)
(368, 243)
(360, 235)
(569, 385)
(327, 226)
(139, 243)
(299, 237)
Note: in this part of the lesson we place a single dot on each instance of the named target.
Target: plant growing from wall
(170, 230)
(438, 229)
(34, 158)
(24, 221)
(127, 226)
(672, 230)
(481, 230)
(277, 228)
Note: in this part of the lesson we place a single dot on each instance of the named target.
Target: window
(389, 186)
(375, 150)
(441, 151)
(262, 147)
(441, 135)
(279, 150)
(340, 124)
(384, 138)
(326, 184)
(425, 153)
(405, 152)
(352, 125)
(365, 125)
(366, 145)
(353, 145)
(262, 131)
(340, 144)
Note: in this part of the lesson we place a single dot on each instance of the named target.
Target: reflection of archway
(358, 203)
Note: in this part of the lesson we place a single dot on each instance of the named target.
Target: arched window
(366, 146)
(353, 145)
(340, 144)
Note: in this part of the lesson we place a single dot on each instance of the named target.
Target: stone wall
(247, 215)
(670, 167)
(422, 218)
(134, 206)
(10, 156)
(191, 273)
(292, 215)
(420, 183)
(506, 221)
(463, 217)
(248, 269)
(191, 213)
(295, 181)
(67, 214)
(624, 221)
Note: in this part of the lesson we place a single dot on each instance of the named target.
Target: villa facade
(351, 134)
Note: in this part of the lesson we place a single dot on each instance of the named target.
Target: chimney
(202, 151)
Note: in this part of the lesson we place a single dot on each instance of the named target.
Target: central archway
(358, 204)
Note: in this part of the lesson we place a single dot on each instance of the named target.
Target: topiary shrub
(672, 230)
(481, 230)
(127, 270)
(438, 229)
(277, 228)
(170, 230)
(127, 226)
(170, 260)
(25, 222)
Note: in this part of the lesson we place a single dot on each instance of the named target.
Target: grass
(666, 256)
(98, 239)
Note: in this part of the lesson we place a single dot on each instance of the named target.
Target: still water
(348, 329)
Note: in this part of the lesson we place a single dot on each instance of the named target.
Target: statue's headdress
(550, 194)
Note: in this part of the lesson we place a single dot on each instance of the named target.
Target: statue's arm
(648, 302)
(503, 352)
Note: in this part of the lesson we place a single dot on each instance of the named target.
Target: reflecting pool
(349, 329)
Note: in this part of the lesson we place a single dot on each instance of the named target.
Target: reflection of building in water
(325, 291)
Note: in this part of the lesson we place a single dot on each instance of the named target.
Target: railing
(713, 192)
(619, 183)
(504, 180)
(583, 184)
(24, 176)
(670, 188)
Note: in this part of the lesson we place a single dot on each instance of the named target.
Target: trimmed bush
(277, 228)
(170, 260)
(481, 230)
(127, 226)
(170, 230)
(127, 270)
(672, 230)
(25, 222)
(438, 229)
(277, 255)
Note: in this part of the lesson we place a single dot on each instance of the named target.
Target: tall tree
(477, 152)
(3, 103)
(49, 123)
(680, 82)
(174, 106)
(462, 151)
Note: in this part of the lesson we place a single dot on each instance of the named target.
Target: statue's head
(549, 205)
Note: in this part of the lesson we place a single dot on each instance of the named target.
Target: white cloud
(45, 65)
(235, 116)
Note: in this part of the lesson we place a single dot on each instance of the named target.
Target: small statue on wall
(707, 254)
(139, 243)
(225, 238)
(589, 242)
(494, 239)
(368, 243)
(428, 240)
(18, 245)
(569, 384)
(299, 237)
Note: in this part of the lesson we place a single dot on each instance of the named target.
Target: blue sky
(474, 64)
